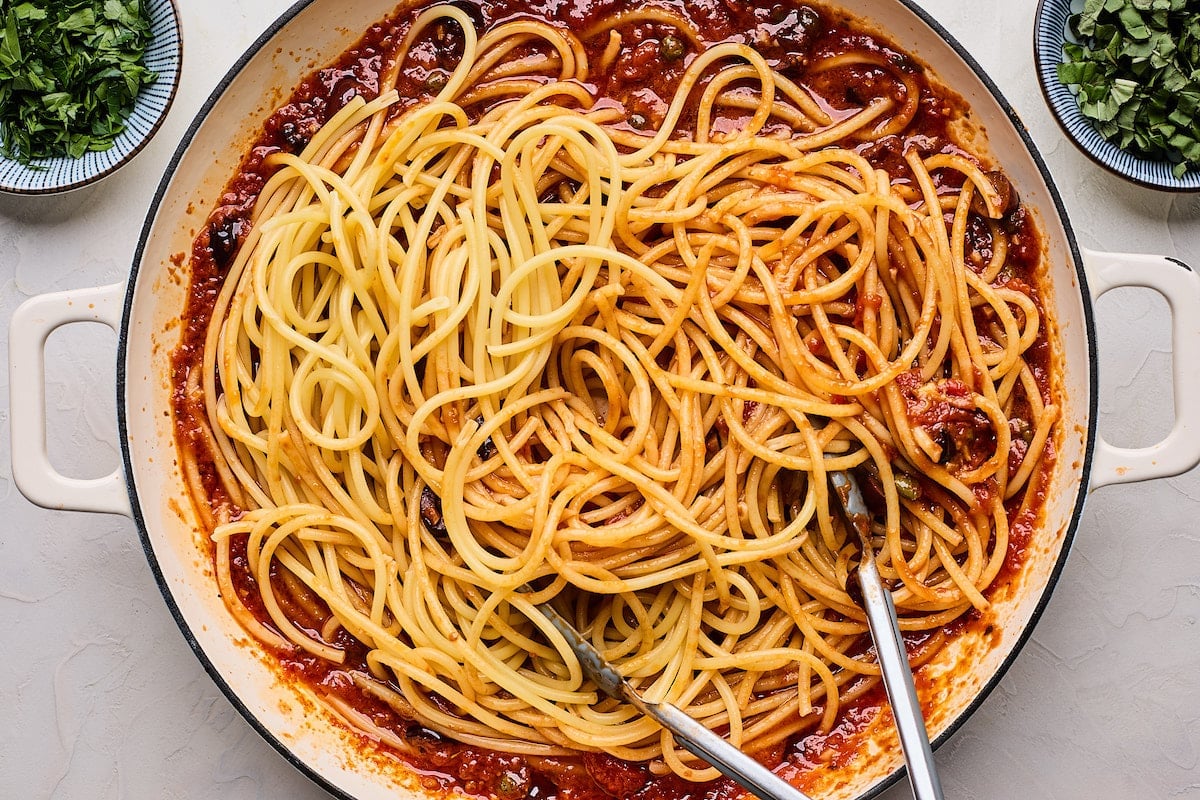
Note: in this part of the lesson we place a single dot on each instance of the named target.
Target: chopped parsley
(1137, 69)
(69, 73)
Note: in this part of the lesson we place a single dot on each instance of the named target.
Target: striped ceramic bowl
(163, 56)
(1049, 32)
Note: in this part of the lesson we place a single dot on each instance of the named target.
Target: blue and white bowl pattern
(163, 56)
(1050, 31)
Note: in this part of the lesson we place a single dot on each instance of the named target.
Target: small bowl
(1049, 32)
(53, 175)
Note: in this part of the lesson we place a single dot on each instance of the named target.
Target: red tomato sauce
(792, 37)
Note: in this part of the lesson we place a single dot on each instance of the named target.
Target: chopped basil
(69, 73)
(1137, 69)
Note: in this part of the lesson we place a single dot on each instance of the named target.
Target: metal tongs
(732, 762)
(893, 658)
(697, 739)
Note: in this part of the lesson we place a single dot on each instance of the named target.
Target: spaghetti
(502, 347)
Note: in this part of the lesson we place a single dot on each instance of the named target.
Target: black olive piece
(637, 121)
(672, 48)
(1012, 222)
(473, 11)
(946, 442)
(448, 38)
(809, 17)
(904, 63)
(791, 29)
(431, 514)
(712, 444)
(1008, 197)
(488, 448)
(854, 590)
(293, 136)
(223, 238)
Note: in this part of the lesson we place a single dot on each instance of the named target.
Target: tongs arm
(694, 737)
(889, 647)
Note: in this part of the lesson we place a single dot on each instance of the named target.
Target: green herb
(1137, 69)
(69, 73)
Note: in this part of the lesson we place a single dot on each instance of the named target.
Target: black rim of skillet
(311, 772)
(1172, 185)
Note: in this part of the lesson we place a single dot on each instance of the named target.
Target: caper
(436, 81)
(510, 785)
(431, 514)
(638, 121)
(907, 486)
(671, 47)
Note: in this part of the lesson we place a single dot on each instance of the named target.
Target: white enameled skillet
(146, 312)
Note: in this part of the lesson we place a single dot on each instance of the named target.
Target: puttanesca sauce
(792, 36)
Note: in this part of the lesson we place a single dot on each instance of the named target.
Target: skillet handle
(1180, 286)
(32, 323)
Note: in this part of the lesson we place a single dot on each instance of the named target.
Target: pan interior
(286, 714)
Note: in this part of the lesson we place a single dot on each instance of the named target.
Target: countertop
(100, 696)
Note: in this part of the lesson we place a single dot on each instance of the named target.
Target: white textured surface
(101, 698)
